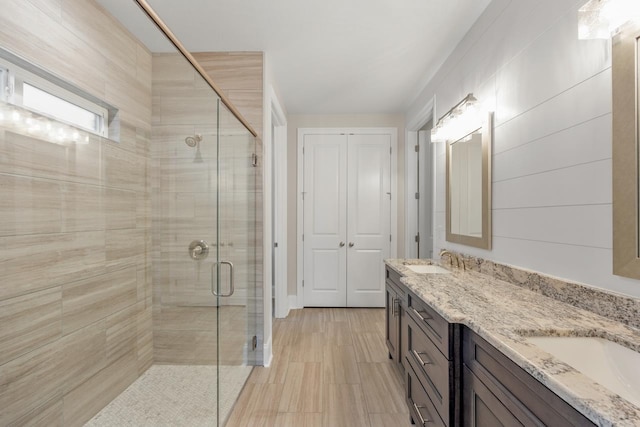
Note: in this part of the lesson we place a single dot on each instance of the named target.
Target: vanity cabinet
(395, 315)
(496, 391)
(431, 354)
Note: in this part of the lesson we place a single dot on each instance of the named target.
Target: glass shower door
(235, 275)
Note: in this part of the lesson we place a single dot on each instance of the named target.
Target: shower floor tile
(174, 395)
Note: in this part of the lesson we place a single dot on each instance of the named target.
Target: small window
(43, 96)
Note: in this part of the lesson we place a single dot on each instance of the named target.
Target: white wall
(332, 121)
(551, 94)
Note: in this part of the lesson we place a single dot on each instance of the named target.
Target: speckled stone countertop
(504, 314)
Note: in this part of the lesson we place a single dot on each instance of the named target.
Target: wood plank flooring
(330, 369)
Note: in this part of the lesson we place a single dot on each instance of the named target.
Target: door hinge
(389, 237)
(254, 160)
(417, 196)
(390, 148)
(417, 148)
(254, 343)
(417, 238)
(303, 283)
(275, 244)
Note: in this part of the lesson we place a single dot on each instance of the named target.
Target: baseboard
(293, 303)
(267, 354)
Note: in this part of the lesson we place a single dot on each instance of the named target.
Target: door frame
(413, 126)
(279, 177)
(393, 250)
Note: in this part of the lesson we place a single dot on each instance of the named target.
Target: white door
(347, 210)
(368, 218)
(325, 220)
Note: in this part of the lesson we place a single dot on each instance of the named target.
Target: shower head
(192, 141)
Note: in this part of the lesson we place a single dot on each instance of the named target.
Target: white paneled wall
(551, 94)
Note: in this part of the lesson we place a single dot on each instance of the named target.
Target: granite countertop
(504, 314)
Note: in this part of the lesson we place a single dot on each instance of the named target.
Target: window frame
(13, 78)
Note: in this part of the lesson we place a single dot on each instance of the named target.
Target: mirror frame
(483, 242)
(625, 145)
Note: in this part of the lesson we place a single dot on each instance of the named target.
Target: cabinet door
(480, 407)
(392, 325)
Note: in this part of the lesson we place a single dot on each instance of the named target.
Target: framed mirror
(626, 175)
(468, 188)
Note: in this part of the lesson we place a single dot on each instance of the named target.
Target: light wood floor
(330, 368)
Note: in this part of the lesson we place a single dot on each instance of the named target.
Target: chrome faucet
(445, 252)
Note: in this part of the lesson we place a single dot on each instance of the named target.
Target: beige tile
(124, 249)
(49, 414)
(34, 262)
(338, 333)
(366, 319)
(276, 373)
(370, 347)
(299, 419)
(144, 336)
(231, 70)
(29, 206)
(88, 398)
(82, 207)
(258, 406)
(184, 347)
(340, 366)
(29, 381)
(308, 347)
(83, 354)
(171, 67)
(28, 156)
(302, 388)
(345, 406)
(390, 420)
(382, 387)
(120, 209)
(89, 300)
(29, 321)
(121, 333)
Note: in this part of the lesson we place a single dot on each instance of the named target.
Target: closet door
(368, 218)
(325, 220)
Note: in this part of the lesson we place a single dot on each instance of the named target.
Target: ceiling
(328, 56)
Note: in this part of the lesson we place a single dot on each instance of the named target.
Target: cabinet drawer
(432, 368)
(420, 406)
(436, 328)
(393, 281)
(516, 389)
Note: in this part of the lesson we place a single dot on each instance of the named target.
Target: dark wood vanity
(453, 377)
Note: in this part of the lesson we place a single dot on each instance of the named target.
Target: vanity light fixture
(601, 19)
(459, 121)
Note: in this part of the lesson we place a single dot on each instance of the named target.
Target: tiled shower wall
(75, 290)
(185, 208)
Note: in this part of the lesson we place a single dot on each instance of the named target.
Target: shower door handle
(231, 277)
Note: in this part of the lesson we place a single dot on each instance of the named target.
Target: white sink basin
(607, 363)
(428, 269)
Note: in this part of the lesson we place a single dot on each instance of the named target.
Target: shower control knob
(198, 250)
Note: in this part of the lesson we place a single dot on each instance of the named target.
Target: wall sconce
(461, 120)
(600, 19)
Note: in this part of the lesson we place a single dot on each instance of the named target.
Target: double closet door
(347, 218)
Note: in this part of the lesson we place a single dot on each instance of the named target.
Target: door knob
(351, 244)
(341, 244)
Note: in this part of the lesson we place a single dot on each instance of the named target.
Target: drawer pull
(420, 359)
(396, 307)
(420, 316)
(423, 420)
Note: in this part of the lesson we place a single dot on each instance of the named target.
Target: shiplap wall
(551, 94)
